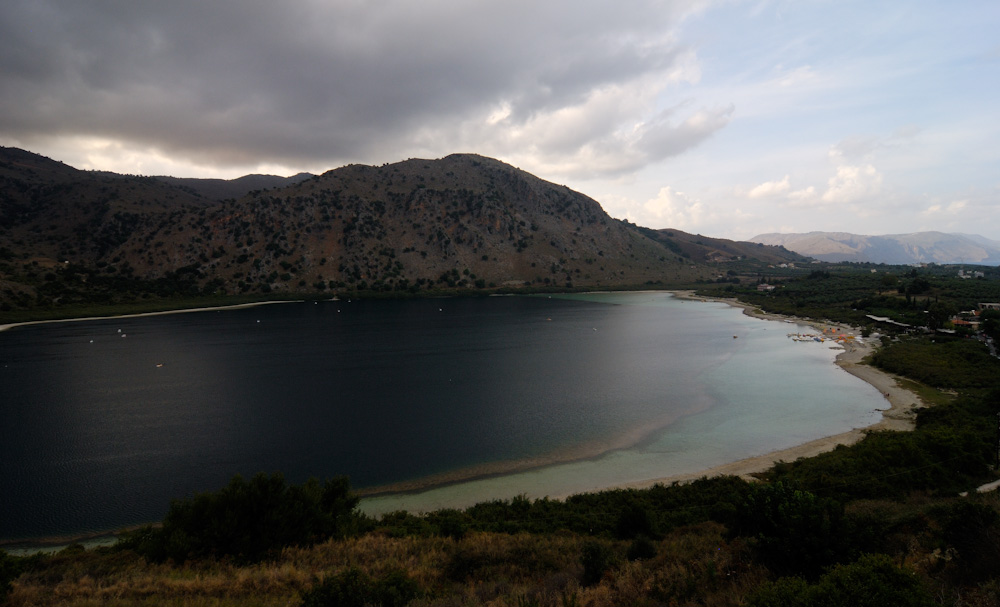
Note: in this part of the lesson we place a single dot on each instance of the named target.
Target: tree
(249, 520)
(990, 323)
(938, 314)
(871, 581)
(794, 532)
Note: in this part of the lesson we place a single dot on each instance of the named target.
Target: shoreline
(141, 314)
(899, 417)
(589, 451)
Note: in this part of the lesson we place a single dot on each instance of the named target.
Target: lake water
(103, 422)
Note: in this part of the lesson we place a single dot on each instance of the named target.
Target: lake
(103, 422)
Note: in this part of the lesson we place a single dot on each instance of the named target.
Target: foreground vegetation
(877, 523)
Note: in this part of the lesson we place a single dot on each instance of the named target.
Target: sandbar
(140, 314)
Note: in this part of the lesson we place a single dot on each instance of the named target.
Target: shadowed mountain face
(461, 221)
(51, 211)
(708, 249)
(921, 247)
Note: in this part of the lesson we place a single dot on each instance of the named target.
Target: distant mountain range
(221, 189)
(462, 221)
(920, 247)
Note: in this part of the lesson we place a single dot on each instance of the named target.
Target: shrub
(794, 532)
(250, 520)
(641, 548)
(353, 587)
(596, 559)
(635, 520)
(10, 568)
(970, 528)
(871, 581)
(449, 523)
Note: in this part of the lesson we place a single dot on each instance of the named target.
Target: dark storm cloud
(232, 82)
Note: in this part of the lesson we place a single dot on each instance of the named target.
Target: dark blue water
(99, 429)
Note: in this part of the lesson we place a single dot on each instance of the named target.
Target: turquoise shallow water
(768, 393)
(104, 422)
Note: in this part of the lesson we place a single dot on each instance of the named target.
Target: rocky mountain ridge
(920, 247)
(463, 221)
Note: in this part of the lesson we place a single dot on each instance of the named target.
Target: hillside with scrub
(72, 241)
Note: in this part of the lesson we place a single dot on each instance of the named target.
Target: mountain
(463, 221)
(58, 212)
(920, 247)
(719, 250)
(995, 244)
(221, 189)
(49, 210)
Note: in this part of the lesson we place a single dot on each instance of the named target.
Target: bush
(871, 581)
(641, 548)
(596, 559)
(10, 568)
(793, 532)
(635, 520)
(449, 523)
(350, 588)
(250, 520)
(972, 529)
(353, 587)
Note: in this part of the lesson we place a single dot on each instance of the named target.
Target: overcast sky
(727, 118)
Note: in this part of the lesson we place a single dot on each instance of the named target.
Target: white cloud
(852, 183)
(770, 188)
(614, 130)
(672, 209)
(953, 208)
(804, 195)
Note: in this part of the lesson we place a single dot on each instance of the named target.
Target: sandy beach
(899, 416)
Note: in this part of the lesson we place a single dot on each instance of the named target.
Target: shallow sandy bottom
(900, 416)
(559, 480)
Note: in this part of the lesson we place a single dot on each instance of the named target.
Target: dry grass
(691, 565)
